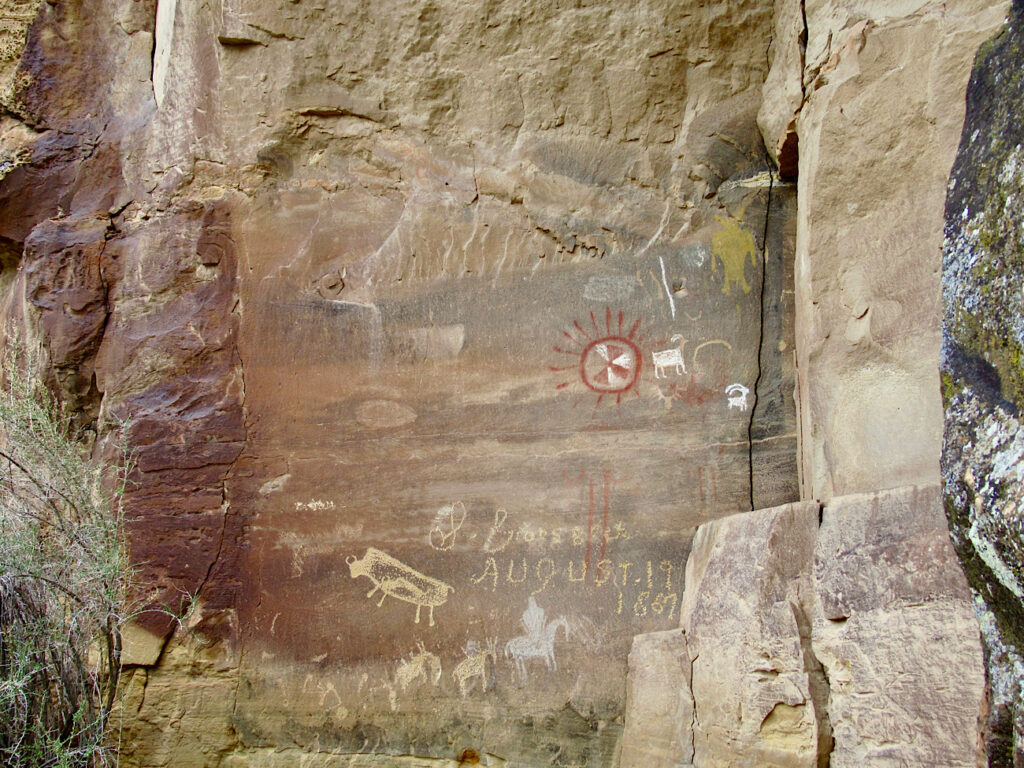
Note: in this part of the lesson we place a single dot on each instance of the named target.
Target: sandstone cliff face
(438, 328)
(868, 237)
(882, 113)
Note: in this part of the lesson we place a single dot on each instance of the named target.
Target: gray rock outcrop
(983, 370)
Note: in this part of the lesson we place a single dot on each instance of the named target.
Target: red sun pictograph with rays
(608, 360)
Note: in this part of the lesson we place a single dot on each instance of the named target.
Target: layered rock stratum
(457, 344)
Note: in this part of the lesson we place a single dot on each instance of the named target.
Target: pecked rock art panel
(470, 491)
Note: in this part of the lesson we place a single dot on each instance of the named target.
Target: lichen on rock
(983, 370)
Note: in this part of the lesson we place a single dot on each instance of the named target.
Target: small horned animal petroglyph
(737, 396)
(478, 665)
(539, 640)
(396, 579)
(423, 666)
(670, 358)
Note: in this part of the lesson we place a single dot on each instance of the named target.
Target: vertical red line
(604, 524)
(590, 525)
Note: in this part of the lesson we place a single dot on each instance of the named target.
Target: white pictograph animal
(538, 642)
(396, 579)
(737, 396)
(423, 666)
(670, 358)
(478, 665)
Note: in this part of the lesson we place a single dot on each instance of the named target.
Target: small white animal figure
(422, 667)
(670, 358)
(478, 664)
(737, 396)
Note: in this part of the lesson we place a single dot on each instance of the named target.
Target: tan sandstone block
(896, 633)
(659, 703)
(747, 638)
(139, 647)
(885, 86)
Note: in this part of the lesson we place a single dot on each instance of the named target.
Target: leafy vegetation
(63, 578)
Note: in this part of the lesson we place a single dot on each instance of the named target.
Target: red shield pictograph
(610, 364)
(609, 358)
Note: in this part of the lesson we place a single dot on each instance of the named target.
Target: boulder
(745, 620)
(983, 371)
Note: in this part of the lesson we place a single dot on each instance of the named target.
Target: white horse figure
(538, 642)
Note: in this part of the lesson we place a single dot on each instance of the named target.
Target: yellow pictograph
(732, 246)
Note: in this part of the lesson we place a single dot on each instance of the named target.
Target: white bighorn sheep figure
(422, 666)
(737, 396)
(670, 358)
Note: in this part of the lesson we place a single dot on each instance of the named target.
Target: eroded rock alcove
(452, 337)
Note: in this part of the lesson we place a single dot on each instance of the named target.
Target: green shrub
(63, 576)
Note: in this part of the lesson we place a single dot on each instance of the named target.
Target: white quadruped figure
(393, 578)
(423, 667)
(737, 396)
(538, 642)
(670, 358)
(478, 665)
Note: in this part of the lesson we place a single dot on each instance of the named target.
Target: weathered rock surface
(434, 341)
(877, 133)
(438, 328)
(983, 371)
(782, 94)
(743, 616)
(659, 702)
(849, 644)
(894, 628)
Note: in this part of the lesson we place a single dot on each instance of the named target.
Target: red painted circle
(610, 365)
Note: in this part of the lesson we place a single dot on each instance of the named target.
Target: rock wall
(877, 131)
(869, 98)
(983, 373)
(436, 330)
(440, 329)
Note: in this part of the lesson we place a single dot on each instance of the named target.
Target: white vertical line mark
(668, 291)
(661, 228)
